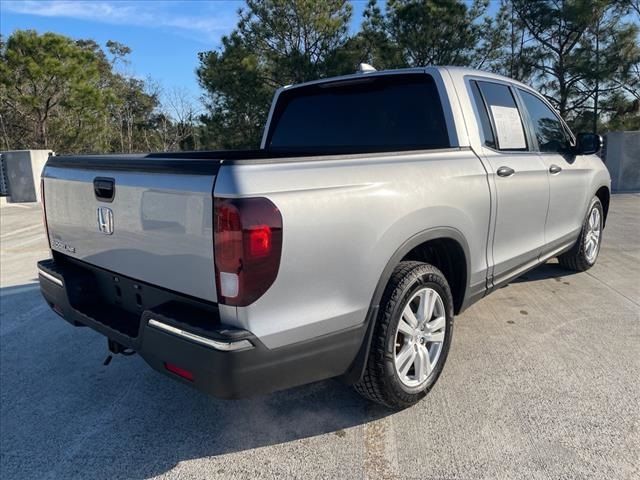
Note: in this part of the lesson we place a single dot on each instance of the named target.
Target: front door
(567, 173)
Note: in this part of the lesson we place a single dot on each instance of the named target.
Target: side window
(507, 123)
(547, 126)
(485, 123)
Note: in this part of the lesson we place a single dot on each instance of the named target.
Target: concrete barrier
(20, 171)
(623, 160)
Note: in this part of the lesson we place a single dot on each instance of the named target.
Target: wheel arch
(448, 256)
(421, 247)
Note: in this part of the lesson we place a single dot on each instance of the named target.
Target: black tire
(576, 259)
(380, 382)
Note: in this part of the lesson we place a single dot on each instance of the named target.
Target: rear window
(393, 112)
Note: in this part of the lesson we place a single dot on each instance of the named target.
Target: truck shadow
(65, 414)
(546, 271)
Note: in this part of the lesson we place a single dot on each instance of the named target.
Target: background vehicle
(380, 205)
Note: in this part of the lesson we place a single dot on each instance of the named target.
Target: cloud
(211, 21)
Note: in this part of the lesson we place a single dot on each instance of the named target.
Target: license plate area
(119, 302)
(106, 298)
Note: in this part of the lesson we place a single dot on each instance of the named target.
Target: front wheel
(584, 253)
(411, 338)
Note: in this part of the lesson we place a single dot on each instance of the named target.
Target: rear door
(568, 173)
(519, 177)
(150, 220)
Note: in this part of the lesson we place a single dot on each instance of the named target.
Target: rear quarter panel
(343, 219)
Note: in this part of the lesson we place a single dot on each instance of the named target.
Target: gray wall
(623, 160)
(20, 171)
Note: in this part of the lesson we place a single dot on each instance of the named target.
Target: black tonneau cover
(197, 162)
(206, 162)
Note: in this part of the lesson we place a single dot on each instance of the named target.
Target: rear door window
(391, 112)
(505, 116)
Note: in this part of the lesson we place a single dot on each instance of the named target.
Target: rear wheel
(411, 337)
(584, 253)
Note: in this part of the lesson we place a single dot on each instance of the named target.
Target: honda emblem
(105, 220)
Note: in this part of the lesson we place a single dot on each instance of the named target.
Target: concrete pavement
(542, 382)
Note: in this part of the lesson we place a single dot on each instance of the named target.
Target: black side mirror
(588, 143)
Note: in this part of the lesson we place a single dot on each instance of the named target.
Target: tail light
(44, 212)
(247, 247)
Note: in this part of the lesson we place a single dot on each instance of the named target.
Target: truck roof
(454, 71)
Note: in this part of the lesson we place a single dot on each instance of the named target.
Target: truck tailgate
(156, 229)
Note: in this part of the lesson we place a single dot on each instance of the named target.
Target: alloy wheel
(592, 237)
(419, 337)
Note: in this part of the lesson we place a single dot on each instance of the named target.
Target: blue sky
(165, 36)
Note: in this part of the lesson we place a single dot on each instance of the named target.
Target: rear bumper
(169, 330)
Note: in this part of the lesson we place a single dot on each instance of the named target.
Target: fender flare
(356, 370)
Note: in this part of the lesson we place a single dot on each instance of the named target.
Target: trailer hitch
(116, 348)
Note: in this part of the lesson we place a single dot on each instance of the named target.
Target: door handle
(553, 169)
(505, 172)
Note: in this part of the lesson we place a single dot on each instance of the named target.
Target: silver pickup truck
(380, 205)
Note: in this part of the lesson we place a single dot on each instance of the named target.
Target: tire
(383, 380)
(581, 258)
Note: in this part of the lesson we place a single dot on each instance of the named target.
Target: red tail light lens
(247, 248)
(260, 241)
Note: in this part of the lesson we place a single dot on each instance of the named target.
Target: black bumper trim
(225, 374)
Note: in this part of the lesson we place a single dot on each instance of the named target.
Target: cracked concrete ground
(542, 382)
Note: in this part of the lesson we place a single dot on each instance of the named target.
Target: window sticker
(509, 127)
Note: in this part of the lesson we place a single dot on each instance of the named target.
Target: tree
(579, 52)
(373, 44)
(237, 95)
(68, 95)
(172, 126)
(276, 42)
(295, 39)
(612, 59)
(512, 60)
(557, 28)
(430, 32)
(131, 111)
(40, 76)
(433, 32)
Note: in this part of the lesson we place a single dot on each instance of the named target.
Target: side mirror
(588, 143)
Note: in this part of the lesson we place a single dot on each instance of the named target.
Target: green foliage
(276, 42)
(294, 40)
(376, 46)
(66, 95)
(434, 32)
(582, 54)
(44, 75)
(69, 95)
(238, 94)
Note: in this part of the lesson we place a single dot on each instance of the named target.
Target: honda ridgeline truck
(379, 205)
